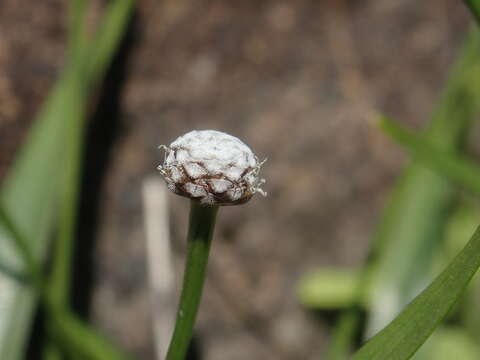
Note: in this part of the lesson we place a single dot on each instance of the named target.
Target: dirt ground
(296, 80)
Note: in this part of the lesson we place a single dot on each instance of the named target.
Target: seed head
(212, 167)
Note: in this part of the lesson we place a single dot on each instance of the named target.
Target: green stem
(202, 223)
(344, 332)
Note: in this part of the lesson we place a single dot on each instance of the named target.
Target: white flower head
(212, 167)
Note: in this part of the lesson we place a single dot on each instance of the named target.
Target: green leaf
(409, 330)
(31, 191)
(29, 195)
(412, 227)
(104, 45)
(463, 222)
(453, 166)
(415, 216)
(79, 340)
(75, 336)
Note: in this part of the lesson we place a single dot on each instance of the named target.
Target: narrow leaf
(414, 218)
(410, 232)
(76, 336)
(456, 167)
(409, 330)
(30, 192)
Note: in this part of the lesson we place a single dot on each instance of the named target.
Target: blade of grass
(80, 341)
(76, 26)
(402, 210)
(463, 223)
(455, 167)
(32, 203)
(77, 337)
(107, 39)
(60, 277)
(24, 251)
(409, 330)
(410, 232)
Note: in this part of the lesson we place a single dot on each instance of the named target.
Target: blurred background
(296, 80)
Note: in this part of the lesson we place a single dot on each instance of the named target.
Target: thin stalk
(202, 223)
(348, 324)
(342, 338)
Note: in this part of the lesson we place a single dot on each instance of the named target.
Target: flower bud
(212, 167)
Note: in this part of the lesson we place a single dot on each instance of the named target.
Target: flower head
(212, 167)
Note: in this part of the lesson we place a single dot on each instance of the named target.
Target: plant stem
(346, 327)
(202, 223)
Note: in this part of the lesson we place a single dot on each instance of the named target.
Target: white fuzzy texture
(213, 167)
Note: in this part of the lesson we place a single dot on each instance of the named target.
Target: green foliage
(39, 179)
(29, 195)
(40, 195)
(410, 237)
(410, 234)
(455, 167)
(404, 335)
